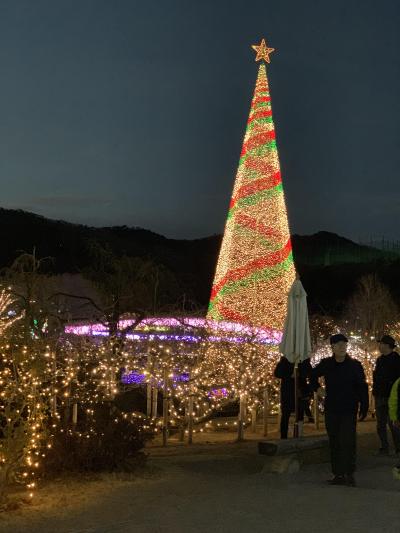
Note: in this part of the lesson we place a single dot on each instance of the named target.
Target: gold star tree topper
(263, 51)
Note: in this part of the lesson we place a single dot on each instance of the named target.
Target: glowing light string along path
(255, 267)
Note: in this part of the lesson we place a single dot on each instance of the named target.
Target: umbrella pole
(296, 401)
(265, 414)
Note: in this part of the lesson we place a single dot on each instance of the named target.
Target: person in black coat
(284, 371)
(346, 394)
(387, 371)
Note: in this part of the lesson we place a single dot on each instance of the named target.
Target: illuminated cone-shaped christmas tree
(255, 268)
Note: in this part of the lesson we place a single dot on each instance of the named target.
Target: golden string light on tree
(255, 267)
(24, 401)
(263, 51)
(7, 314)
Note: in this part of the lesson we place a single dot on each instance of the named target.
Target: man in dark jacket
(346, 394)
(387, 371)
(284, 370)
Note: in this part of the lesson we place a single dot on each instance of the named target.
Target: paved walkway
(221, 493)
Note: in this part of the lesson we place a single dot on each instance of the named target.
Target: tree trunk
(254, 420)
(242, 417)
(190, 419)
(148, 387)
(165, 409)
(155, 402)
(266, 410)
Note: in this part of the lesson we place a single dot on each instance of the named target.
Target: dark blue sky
(133, 112)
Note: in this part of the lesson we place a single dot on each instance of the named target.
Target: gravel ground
(227, 494)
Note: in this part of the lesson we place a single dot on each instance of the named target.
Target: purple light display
(133, 378)
(218, 393)
(137, 378)
(184, 330)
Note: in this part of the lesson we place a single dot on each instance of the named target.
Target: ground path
(228, 492)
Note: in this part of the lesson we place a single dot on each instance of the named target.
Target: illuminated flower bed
(183, 329)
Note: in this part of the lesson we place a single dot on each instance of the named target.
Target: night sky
(133, 112)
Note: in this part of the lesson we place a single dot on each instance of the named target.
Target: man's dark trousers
(341, 429)
(382, 421)
(285, 417)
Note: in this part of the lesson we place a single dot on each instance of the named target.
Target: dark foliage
(104, 442)
(135, 399)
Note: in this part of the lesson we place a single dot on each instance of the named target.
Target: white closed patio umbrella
(296, 342)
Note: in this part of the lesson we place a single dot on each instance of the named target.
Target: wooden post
(265, 414)
(371, 400)
(149, 387)
(254, 420)
(182, 427)
(148, 406)
(242, 417)
(165, 409)
(190, 417)
(54, 405)
(67, 412)
(316, 411)
(155, 402)
(54, 386)
(242, 404)
(111, 380)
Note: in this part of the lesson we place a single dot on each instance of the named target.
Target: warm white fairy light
(255, 268)
(8, 315)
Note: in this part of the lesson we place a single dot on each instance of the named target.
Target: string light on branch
(7, 314)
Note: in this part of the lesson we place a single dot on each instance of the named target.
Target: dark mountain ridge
(328, 263)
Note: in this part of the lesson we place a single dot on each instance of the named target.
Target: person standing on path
(387, 371)
(346, 395)
(284, 371)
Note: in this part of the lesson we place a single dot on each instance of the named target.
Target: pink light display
(185, 329)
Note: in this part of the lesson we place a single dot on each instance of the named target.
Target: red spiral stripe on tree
(259, 165)
(260, 114)
(269, 260)
(258, 227)
(229, 314)
(260, 99)
(256, 186)
(258, 140)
